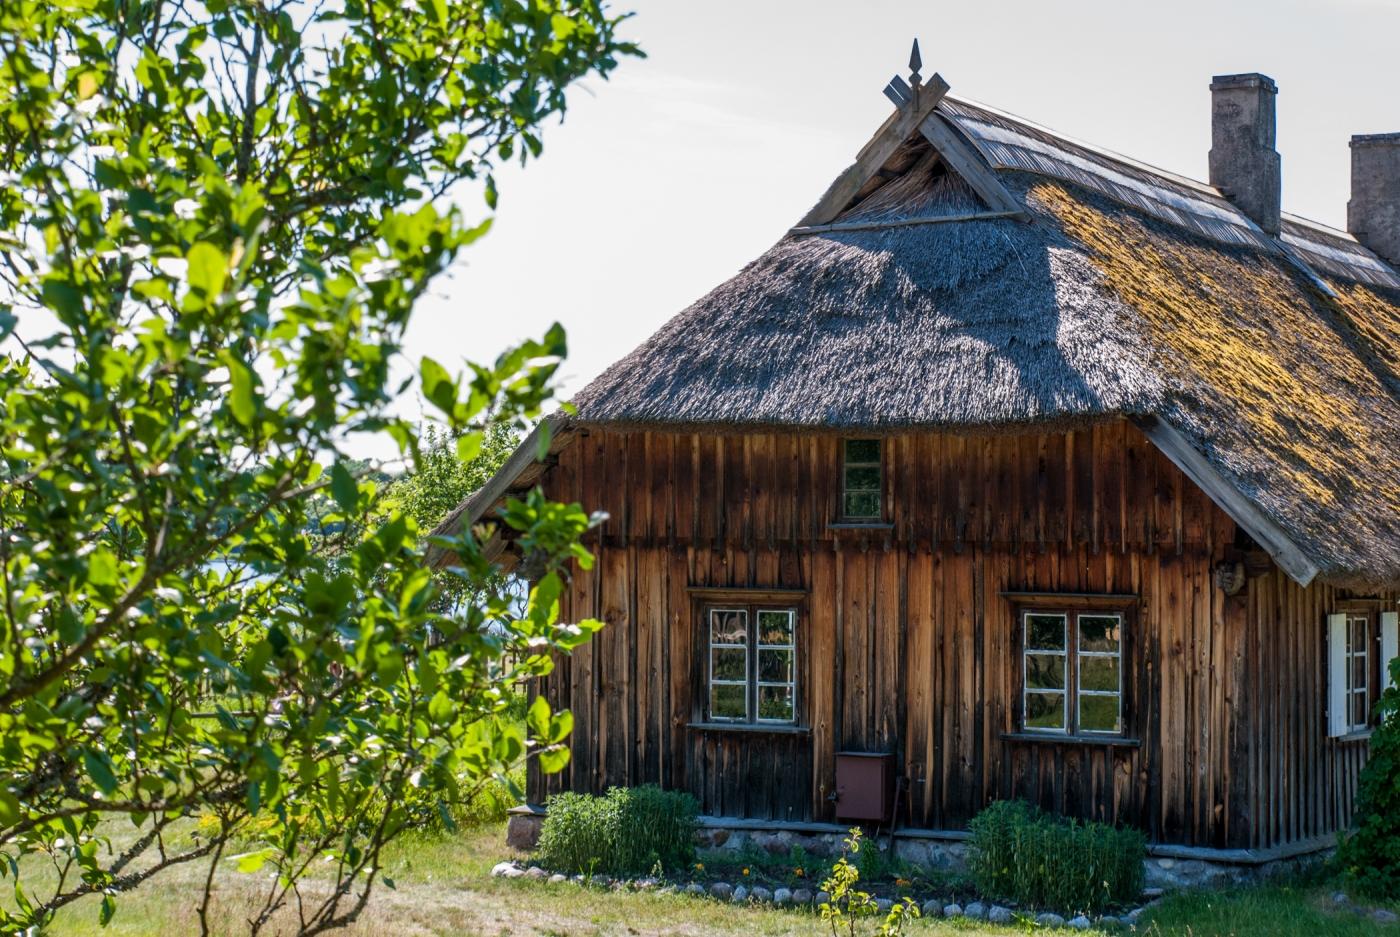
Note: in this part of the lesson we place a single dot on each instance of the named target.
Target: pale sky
(663, 182)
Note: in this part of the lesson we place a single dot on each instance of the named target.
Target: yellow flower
(746, 870)
(901, 882)
(799, 872)
(699, 865)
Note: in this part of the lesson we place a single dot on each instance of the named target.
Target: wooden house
(1036, 470)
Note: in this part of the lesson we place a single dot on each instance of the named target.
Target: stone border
(1168, 868)
(949, 853)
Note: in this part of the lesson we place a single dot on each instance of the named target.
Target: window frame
(1365, 656)
(752, 608)
(846, 490)
(1371, 613)
(1070, 609)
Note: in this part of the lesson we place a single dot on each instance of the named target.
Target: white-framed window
(1046, 670)
(1360, 646)
(1072, 672)
(752, 667)
(729, 664)
(1358, 670)
(777, 664)
(860, 480)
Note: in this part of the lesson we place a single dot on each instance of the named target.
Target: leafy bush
(1369, 856)
(628, 831)
(1021, 854)
(848, 904)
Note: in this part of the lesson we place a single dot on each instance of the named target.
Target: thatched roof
(1129, 293)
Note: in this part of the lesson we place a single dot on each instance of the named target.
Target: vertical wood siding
(910, 647)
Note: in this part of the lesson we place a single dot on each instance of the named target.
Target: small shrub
(848, 905)
(628, 831)
(1020, 854)
(1369, 856)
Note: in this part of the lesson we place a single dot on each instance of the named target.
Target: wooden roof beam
(1265, 531)
(520, 470)
(900, 126)
(964, 159)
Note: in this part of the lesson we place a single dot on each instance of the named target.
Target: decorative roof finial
(915, 63)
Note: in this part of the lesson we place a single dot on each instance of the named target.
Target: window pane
(863, 479)
(775, 666)
(1099, 714)
(1045, 632)
(728, 701)
(775, 702)
(1045, 710)
(729, 627)
(1358, 709)
(862, 450)
(775, 628)
(1358, 672)
(1358, 634)
(729, 663)
(1045, 672)
(863, 505)
(1098, 673)
(1100, 632)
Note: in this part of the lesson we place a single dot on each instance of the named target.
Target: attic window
(860, 480)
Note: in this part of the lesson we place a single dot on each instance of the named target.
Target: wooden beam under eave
(1265, 531)
(900, 126)
(521, 469)
(964, 160)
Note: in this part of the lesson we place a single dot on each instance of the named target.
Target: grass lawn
(444, 889)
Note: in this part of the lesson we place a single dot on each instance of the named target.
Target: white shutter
(1390, 645)
(1337, 675)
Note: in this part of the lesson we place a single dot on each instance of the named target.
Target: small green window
(860, 480)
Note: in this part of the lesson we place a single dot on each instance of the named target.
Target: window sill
(859, 525)
(1110, 741)
(749, 727)
(1359, 735)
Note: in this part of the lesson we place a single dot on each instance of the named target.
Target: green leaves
(99, 769)
(241, 399)
(208, 270)
(438, 386)
(343, 488)
(201, 626)
(10, 809)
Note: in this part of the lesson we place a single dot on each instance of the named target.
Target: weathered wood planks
(908, 644)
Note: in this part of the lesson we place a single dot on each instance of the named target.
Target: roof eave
(1291, 558)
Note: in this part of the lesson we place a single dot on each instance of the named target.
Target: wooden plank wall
(912, 649)
(1305, 781)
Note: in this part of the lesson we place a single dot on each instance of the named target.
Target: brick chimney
(1243, 162)
(1373, 214)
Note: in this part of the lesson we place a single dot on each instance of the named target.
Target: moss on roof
(1267, 373)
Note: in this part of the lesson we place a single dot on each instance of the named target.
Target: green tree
(1369, 854)
(215, 221)
(439, 481)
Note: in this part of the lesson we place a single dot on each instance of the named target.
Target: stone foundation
(1167, 868)
(1170, 874)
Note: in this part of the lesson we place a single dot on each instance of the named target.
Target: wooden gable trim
(964, 159)
(900, 126)
(905, 222)
(521, 470)
(1266, 532)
